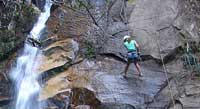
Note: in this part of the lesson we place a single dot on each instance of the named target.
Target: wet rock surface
(111, 87)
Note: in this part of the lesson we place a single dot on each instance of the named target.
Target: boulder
(191, 97)
(193, 89)
(65, 80)
(133, 92)
(190, 102)
(57, 54)
(85, 97)
(185, 93)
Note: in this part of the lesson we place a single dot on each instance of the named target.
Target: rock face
(163, 23)
(65, 80)
(98, 83)
(153, 23)
(185, 93)
(57, 54)
(162, 26)
(114, 43)
(64, 23)
(105, 86)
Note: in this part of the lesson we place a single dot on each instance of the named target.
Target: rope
(165, 71)
(162, 60)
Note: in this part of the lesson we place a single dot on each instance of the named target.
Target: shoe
(140, 74)
(124, 76)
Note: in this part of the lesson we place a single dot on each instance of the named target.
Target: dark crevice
(51, 50)
(120, 32)
(163, 28)
(111, 55)
(176, 102)
(5, 101)
(172, 55)
(45, 76)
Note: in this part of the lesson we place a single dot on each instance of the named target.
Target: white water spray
(24, 74)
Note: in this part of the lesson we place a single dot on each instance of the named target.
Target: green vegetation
(8, 42)
(21, 17)
(78, 4)
(25, 17)
(89, 50)
(190, 57)
(131, 1)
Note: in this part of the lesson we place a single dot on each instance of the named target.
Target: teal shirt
(130, 46)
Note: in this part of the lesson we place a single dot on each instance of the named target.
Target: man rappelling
(33, 42)
(132, 55)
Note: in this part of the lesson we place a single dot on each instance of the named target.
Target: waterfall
(24, 73)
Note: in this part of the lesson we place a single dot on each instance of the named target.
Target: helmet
(126, 37)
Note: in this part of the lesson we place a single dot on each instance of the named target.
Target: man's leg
(33, 44)
(138, 68)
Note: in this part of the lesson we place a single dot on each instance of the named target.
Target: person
(34, 42)
(132, 55)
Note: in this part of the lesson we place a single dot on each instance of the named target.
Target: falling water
(24, 73)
